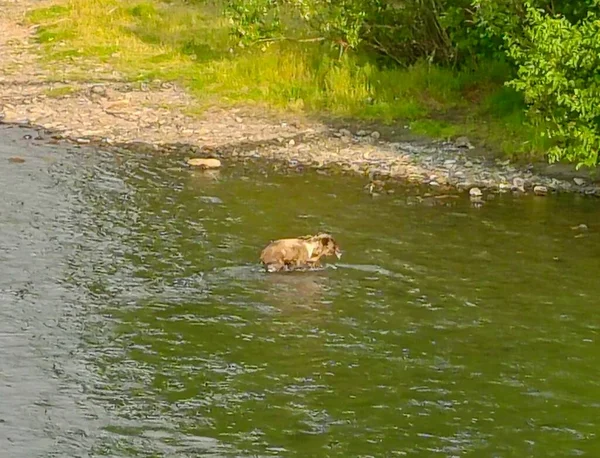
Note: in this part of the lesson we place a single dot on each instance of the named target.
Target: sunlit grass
(189, 43)
(58, 92)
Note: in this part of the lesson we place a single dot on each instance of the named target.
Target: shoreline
(157, 114)
(443, 168)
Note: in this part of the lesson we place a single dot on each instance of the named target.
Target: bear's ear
(325, 239)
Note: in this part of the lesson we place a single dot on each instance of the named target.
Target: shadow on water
(135, 320)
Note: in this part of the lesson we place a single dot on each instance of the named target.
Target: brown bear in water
(299, 252)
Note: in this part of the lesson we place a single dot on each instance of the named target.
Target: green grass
(189, 42)
(48, 14)
(58, 92)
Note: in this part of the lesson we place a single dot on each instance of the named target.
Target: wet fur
(297, 253)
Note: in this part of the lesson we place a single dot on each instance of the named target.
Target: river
(135, 320)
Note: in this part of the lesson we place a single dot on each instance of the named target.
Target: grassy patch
(58, 92)
(48, 14)
(435, 128)
(188, 42)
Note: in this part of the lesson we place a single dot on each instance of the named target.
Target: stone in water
(519, 184)
(207, 163)
(475, 192)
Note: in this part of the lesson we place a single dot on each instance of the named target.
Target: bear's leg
(274, 267)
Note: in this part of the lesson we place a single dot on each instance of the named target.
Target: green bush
(559, 75)
(397, 32)
(253, 20)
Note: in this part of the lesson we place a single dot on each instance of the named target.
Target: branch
(378, 46)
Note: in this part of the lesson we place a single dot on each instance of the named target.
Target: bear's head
(328, 245)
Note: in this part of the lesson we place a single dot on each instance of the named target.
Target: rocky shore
(158, 116)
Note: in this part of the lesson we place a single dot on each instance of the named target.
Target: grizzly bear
(299, 252)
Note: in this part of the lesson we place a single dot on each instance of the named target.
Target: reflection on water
(300, 289)
(136, 321)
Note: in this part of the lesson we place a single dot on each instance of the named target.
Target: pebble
(292, 142)
(475, 192)
(207, 163)
(362, 133)
(518, 184)
(375, 135)
(345, 133)
(98, 90)
(579, 181)
(463, 142)
(540, 190)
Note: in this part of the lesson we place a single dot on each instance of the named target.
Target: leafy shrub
(252, 20)
(559, 75)
(400, 32)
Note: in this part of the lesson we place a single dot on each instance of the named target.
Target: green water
(137, 321)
